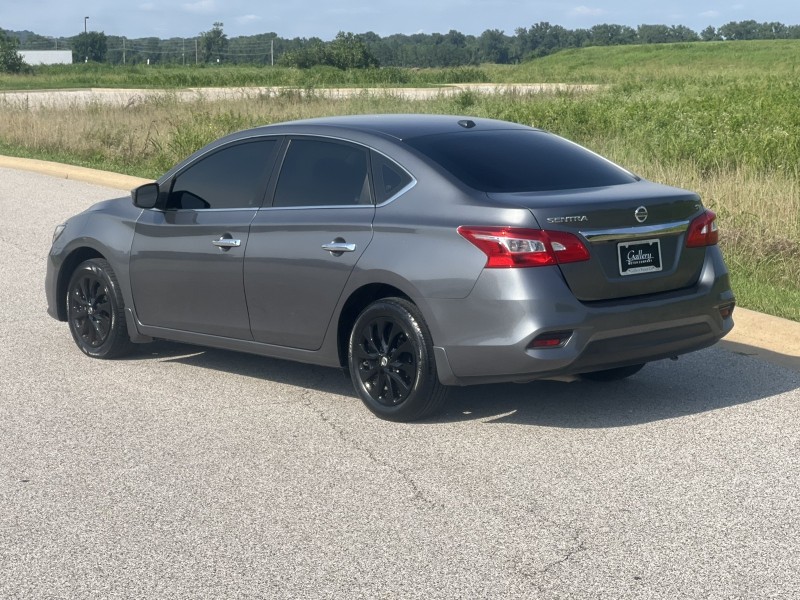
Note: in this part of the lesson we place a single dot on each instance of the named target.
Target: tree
(348, 51)
(741, 30)
(213, 43)
(607, 34)
(542, 39)
(493, 47)
(709, 34)
(10, 59)
(89, 46)
(653, 34)
(681, 33)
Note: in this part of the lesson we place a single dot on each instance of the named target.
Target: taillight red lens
(509, 247)
(703, 231)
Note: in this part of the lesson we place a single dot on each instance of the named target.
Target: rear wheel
(96, 312)
(613, 374)
(391, 362)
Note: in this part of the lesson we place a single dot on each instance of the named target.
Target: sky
(320, 18)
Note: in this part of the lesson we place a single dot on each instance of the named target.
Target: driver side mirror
(145, 196)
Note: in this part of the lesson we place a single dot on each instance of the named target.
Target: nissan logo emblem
(641, 214)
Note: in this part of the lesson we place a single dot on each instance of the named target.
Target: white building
(47, 57)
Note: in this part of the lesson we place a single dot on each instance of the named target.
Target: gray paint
(280, 294)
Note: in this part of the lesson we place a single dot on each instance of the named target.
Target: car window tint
(232, 177)
(389, 177)
(519, 161)
(323, 173)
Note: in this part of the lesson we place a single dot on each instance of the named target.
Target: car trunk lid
(635, 234)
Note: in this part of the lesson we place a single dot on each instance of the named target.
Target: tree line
(364, 50)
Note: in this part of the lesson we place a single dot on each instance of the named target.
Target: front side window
(233, 177)
(323, 173)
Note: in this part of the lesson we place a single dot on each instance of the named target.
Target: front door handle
(339, 247)
(227, 243)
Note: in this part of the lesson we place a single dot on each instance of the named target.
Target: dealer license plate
(639, 257)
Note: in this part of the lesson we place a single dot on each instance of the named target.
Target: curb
(769, 338)
(61, 171)
(773, 339)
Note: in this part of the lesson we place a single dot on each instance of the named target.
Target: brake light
(510, 247)
(703, 231)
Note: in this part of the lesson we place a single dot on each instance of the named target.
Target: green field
(720, 118)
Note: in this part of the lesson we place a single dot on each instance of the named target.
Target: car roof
(394, 127)
(399, 126)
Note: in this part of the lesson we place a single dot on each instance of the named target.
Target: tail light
(703, 231)
(510, 247)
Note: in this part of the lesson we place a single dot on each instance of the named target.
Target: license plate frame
(641, 256)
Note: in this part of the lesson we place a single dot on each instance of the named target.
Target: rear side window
(323, 173)
(233, 177)
(519, 161)
(389, 177)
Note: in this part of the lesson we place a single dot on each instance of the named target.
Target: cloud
(245, 19)
(586, 11)
(201, 6)
(710, 14)
(147, 6)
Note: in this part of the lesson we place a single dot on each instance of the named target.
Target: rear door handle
(339, 247)
(226, 243)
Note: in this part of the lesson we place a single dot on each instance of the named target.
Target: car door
(187, 259)
(304, 246)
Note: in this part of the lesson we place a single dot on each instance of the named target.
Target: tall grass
(719, 124)
(176, 76)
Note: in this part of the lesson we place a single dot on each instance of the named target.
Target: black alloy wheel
(391, 361)
(95, 310)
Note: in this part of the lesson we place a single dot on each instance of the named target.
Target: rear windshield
(519, 161)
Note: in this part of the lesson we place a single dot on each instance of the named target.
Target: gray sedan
(416, 252)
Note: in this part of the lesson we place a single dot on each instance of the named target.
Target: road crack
(418, 495)
(539, 575)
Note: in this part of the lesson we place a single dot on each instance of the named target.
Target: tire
(390, 356)
(613, 374)
(96, 311)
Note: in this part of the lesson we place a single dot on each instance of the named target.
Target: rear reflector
(509, 247)
(551, 339)
(703, 231)
(726, 310)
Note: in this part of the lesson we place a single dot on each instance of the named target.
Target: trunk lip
(622, 234)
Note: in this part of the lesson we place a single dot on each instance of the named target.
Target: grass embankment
(717, 118)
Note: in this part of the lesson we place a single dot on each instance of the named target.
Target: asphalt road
(191, 473)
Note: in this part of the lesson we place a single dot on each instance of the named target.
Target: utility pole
(183, 50)
(195, 51)
(272, 52)
(123, 51)
(85, 32)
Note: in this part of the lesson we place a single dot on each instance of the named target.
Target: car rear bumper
(486, 337)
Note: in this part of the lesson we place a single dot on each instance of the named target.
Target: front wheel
(95, 310)
(391, 362)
